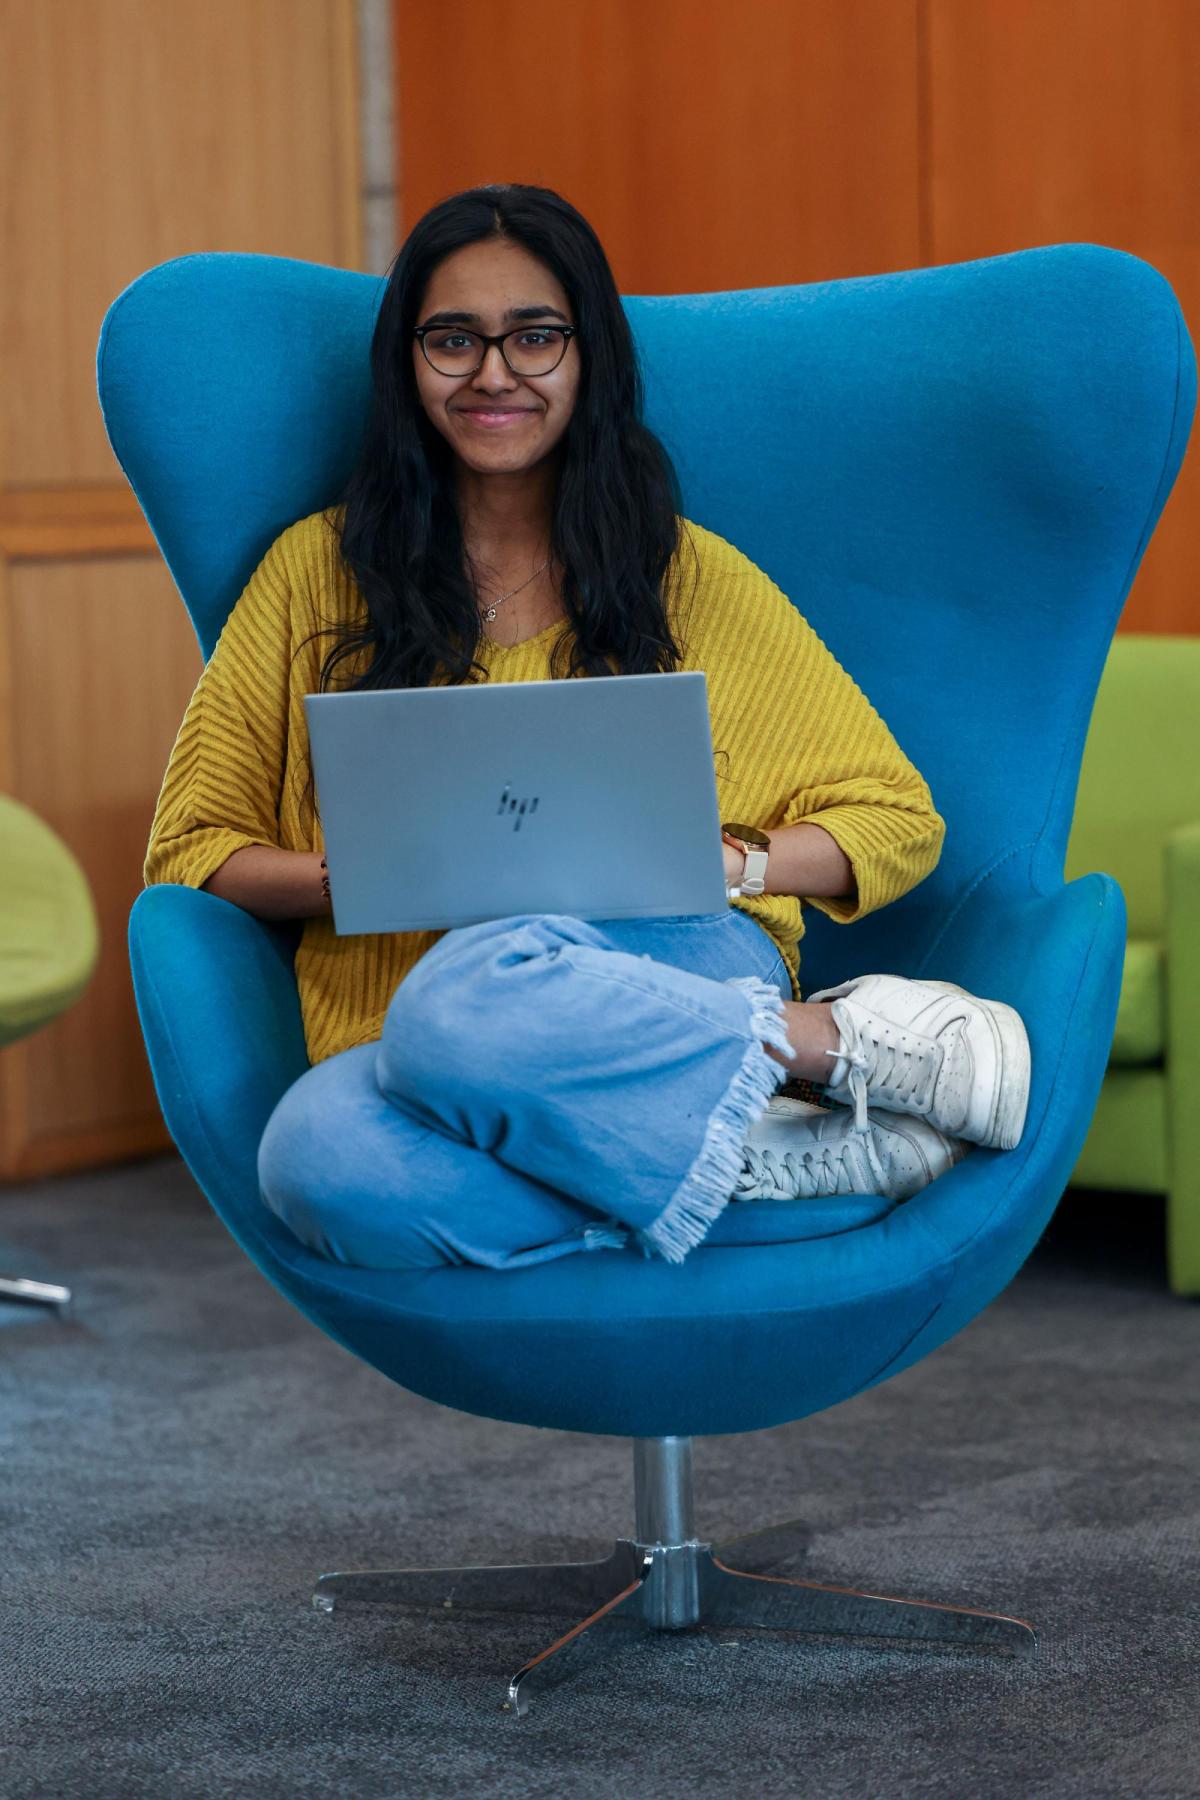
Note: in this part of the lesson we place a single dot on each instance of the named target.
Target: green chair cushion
(1140, 1035)
(49, 933)
(1140, 778)
(1126, 1147)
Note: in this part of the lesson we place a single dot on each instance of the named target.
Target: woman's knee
(467, 1004)
(333, 1166)
(302, 1167)
(294, 1178)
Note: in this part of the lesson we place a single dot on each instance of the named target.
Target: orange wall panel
(717, 146)
(1075, 121)
(711, 146)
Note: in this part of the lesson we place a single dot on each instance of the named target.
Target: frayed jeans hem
(704, 1192)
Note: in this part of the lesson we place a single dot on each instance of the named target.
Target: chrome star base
(665, 1579)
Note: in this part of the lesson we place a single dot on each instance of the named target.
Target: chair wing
(953, 472)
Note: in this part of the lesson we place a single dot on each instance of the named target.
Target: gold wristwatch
(755, 844)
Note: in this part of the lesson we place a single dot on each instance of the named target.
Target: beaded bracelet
(325, 882)
(799, 1087)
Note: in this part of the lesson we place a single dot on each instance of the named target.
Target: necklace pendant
(490, 613)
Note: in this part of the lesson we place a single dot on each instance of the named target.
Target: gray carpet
(184, 1453)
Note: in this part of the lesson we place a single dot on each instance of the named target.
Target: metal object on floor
(39, 1293)
(665, 1579)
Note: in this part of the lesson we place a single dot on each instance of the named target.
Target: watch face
(750, 833)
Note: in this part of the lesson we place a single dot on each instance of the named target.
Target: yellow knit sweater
(800, 741)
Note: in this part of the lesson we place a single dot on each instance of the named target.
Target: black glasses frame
(568, 332)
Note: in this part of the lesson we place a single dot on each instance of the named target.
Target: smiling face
(494, 421)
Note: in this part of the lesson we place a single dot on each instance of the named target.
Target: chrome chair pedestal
(34, 1293)
(665, 1579)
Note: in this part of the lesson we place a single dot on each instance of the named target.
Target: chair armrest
(1057, 958)
(1182, 965)
(216, 995)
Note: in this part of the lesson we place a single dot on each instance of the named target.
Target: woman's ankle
(812, 1033)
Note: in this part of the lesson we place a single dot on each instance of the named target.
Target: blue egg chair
(954, 473)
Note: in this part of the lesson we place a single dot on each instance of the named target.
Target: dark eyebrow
(447, 317)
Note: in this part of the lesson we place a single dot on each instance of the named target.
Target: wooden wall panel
(136, 132)
(1076, 121)
(106, 665)
(778, 141)
(130, 132)
(710, 145)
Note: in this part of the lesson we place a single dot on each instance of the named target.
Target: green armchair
(49, 942)
(1137, 817)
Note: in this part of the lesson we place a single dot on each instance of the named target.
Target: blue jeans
(543, 1085)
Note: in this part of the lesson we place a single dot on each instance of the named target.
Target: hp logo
(514, 807)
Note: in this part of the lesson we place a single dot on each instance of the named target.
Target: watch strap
(754, 870)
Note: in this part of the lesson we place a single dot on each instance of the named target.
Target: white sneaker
(930, 1049)
(795, 1151)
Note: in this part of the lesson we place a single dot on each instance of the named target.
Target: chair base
(647, 1584)
(35, 1293)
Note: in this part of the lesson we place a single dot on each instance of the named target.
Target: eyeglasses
(452, 351)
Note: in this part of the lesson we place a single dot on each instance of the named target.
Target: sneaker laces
(903, 1065)
(825, 1165)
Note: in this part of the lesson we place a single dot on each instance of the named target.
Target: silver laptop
(446, 805)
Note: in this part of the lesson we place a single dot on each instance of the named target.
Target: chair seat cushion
(1140, 1035)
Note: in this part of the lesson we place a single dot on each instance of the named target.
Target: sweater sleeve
(223, 781)
(852, 778)
(820, 751)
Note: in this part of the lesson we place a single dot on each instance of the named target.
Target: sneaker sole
(1007, 1122)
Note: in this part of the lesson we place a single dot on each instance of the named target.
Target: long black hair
(615, 518)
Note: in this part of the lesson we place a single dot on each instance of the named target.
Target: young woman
(516, 1090)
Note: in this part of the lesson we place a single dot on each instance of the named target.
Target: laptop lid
(443, 806)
